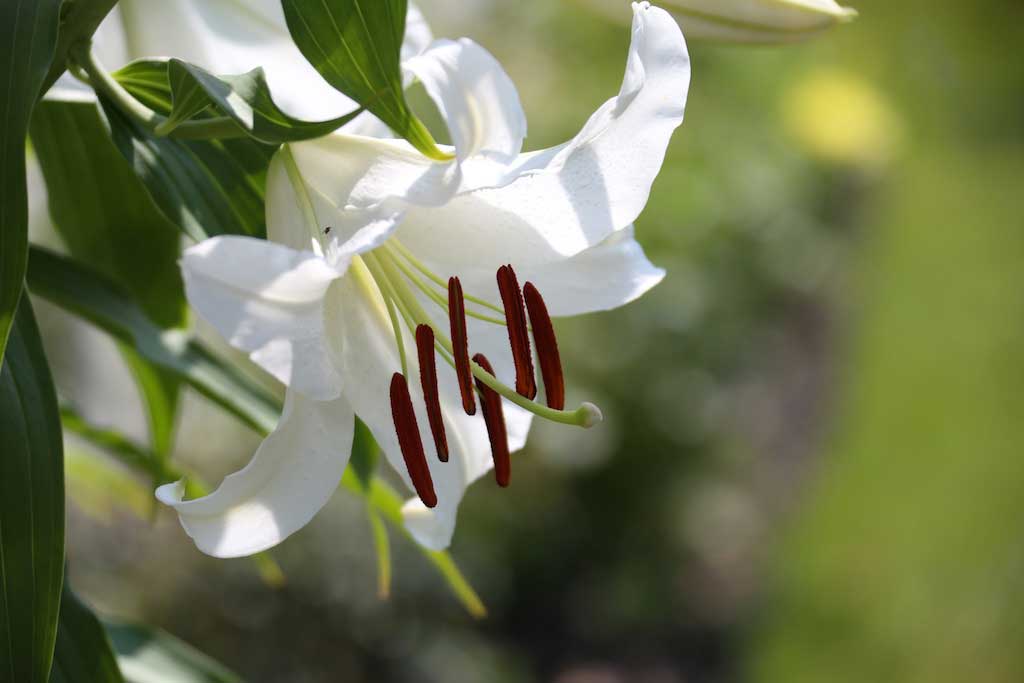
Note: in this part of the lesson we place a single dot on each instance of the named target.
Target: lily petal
(563, 200)
(267, 299)
(291, 476)
(475, 96)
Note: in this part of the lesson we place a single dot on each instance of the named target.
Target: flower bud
(748, 21)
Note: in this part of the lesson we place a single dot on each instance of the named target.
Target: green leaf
(199, 185)
(99, 486)
(356, 46)
(83, 653)
(28, 34)
(107, 219)
(204, 187)
(246, 98)
(31, 507)
(102, 211)
(88, 294)
(149, 655)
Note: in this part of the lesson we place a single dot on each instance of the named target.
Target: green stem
(101, 80)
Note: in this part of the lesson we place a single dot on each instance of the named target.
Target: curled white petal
(563, 200)
(475, 96)
(291, 476)
(266, 299)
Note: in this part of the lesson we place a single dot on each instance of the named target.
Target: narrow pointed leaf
(204, 187)
(90, 295)
(28, 36)
(83, 653)
(149, 655)
(356, 46)
(107, 219)
(31, 507)
(246, 98)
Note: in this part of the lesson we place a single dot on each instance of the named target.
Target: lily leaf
(356, 46)
(107, 219)
(92, 296)
(204, 187)
(149, 655)
(246, 98)
(28, 37)
(31, 507)
(83, 652)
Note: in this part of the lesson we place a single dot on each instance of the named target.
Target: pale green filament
(435, 296)
(440, 281)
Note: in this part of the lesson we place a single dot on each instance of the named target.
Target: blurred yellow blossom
(842, 118)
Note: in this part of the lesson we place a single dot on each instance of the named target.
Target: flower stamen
(409, 441)
(547, 347)
(518, 338)
(428, 379)
(460, 344)
(494, 419)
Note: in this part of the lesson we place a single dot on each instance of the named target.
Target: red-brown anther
(428, 379)
(518, 338)
(409, 440)
(547, 347)
(460, 344)
(494, 418)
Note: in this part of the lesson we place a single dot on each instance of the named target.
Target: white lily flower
(364, 235)
(750, 21)
(228, 37)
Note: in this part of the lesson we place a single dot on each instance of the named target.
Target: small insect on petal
(428, 379)
(460, 344)
(409, 440)
(494, 418)
(547, 347)
(518, 338)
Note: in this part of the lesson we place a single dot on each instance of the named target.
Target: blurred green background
(811, 467)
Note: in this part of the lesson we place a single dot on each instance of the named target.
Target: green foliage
(83, 653)
(205, 187)
(107, 219)
(102, 211)
(245, 98)
(149, 655)
(31, 507)
(28, 34)
(79, 19)
(356, 46)
(88, 294)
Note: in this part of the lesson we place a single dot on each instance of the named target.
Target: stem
(107, 85)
